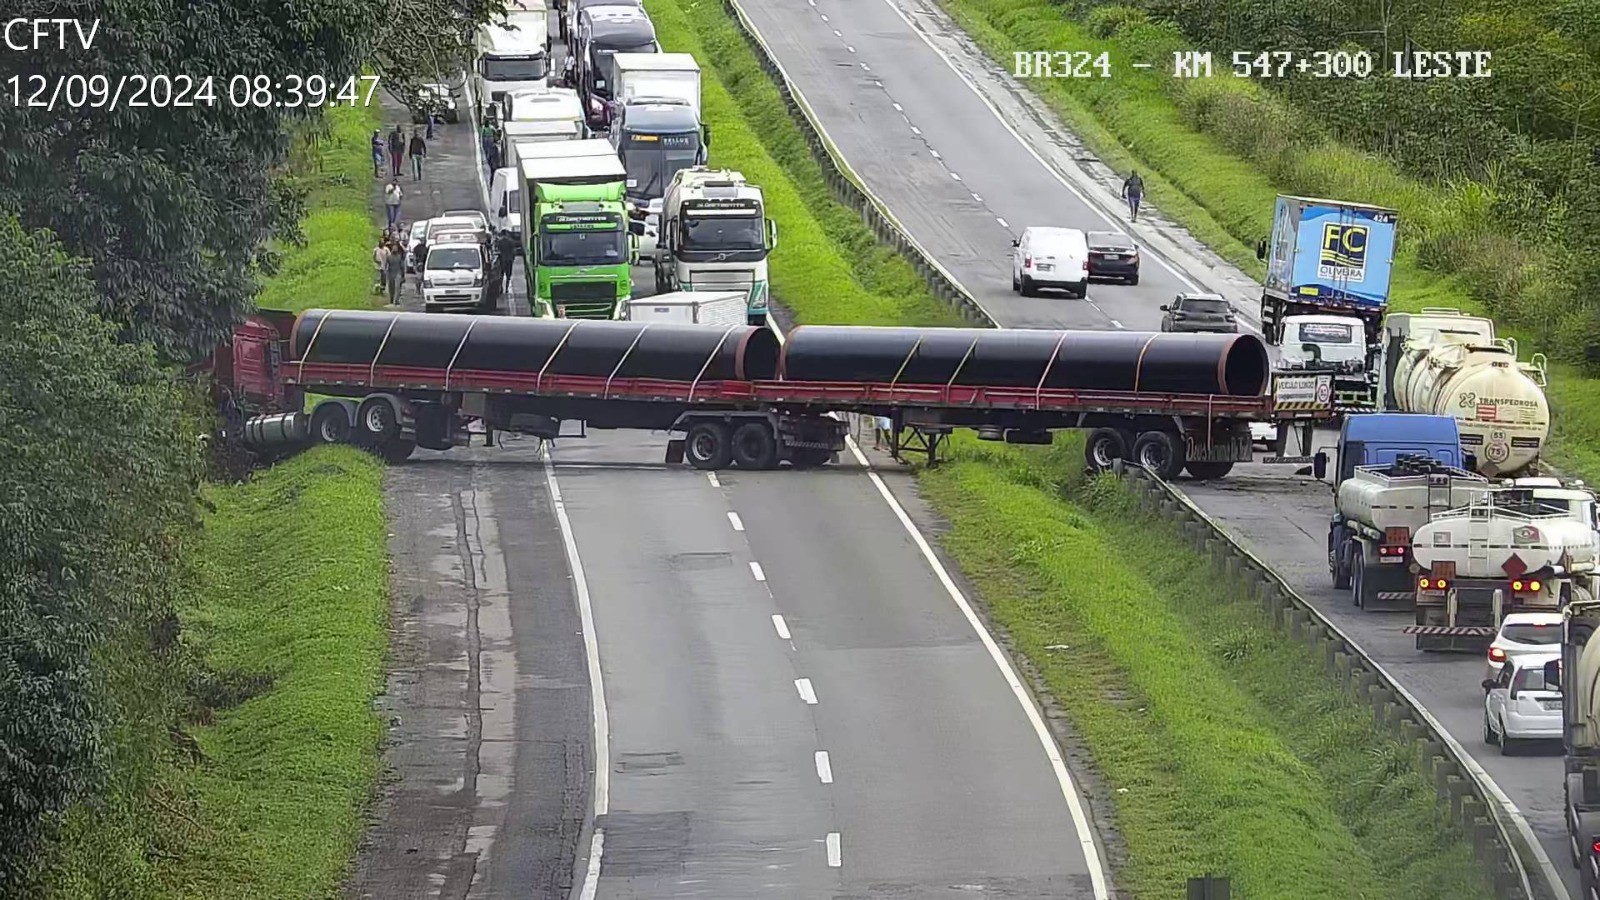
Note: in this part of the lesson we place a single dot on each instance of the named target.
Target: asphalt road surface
(966, 173)
(796, 706)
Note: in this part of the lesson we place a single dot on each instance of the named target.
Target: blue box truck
(1327, 257)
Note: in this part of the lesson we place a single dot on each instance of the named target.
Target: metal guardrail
(849, 187)
(1501, 836)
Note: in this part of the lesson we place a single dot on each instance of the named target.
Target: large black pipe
(579, 346)
(1232, 364)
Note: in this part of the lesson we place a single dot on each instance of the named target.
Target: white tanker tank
(1445, 363)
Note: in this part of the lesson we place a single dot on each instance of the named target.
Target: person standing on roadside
(391, 199)
(1133, 191)
(377, 153)
(419, 152)
(380, 260)
(507, 247)
(394, 270)
(397, 150)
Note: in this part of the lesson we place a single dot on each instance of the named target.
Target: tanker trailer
(1502, 555)
(1502, 412)
(1376, 511)
(1577, 675)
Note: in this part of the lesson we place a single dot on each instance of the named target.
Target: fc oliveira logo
(1344, 252)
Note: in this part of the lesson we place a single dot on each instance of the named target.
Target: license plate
(1044, 267)
(1111, 256)
(1390, 560)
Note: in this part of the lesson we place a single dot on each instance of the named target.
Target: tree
(97, 473)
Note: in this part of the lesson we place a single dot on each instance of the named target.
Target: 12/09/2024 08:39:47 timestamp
(183, 91)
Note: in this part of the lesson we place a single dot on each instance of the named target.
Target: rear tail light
(1521, 586)
(1391, 551)
(1596, 847)
(1086, 265)
(1497, 655)
(1432, 584)
(1027, 262)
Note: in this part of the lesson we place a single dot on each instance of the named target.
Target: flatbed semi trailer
(730, 395)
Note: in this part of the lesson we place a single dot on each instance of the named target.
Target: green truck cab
(577, 242)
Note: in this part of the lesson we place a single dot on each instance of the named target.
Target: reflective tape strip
(1450, 630)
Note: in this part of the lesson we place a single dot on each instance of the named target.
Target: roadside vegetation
(1498, 197)
(1226, 749)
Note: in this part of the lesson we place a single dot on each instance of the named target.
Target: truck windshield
(1326, 333)
(651, 170)
(722, 232)
(454, 258)
(583, 248)
(500, 68)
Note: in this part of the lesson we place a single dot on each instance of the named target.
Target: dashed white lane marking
(755, 569)
(712, 477)
(916, 131)
(1003, 222)
(1115, 324)
(836, 33)
(781, 626)
(1069, 791)
(735, 521)
(835, 855)
(824, 18)
(935, 153)
(597, 690)
(955, 176)
(865, 67)
(850, 48)
(977, 199)
(824, 767)
(898, 109)
(807, 692)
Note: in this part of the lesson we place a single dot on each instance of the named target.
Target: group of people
(396, 147)
(390, 257)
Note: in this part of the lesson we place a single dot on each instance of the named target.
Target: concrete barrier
(848, 187)
(1501, 837)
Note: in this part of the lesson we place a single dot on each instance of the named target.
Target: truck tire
(1026, 287)
(755, 446)
(708, 446)
(377, 422)
(397, 451)
(1161, 452)
(810, 457)
(1207, 471)
(1360, 590)
(330, 424)
(1103, 447)
(1341, 566)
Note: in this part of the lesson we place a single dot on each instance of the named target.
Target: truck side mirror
(1166, 307)
(1319, 465)
(772, 234)
(705, 132)
(636, 226)
(1015, 242)
(1552, 674)
(503, 211)
(1261, 250)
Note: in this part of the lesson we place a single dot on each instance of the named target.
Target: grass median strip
(1228, 750)
(1206, 148)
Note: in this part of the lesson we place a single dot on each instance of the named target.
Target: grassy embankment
(1207, 147)
(1228, 749)
(289, 616)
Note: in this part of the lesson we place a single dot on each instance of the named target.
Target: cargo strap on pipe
(905, 362)
(709, 359)
(1038, 389)
(959, 366)
(606, 394)
(1138, 365)
(538, 382)
(457, 355)
(372, 373)
(321, 320)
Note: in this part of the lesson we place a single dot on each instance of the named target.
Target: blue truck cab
(1377, 439)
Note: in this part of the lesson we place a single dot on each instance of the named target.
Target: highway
(794, 698)
(965, 158)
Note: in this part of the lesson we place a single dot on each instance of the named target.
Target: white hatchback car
(1521, 634)
(1050, 258)
(1518, 705)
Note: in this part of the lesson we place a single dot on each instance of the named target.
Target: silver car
(1192, 312)
(1518, 705)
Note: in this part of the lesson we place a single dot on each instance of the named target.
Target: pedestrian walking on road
(394, 271)
(880, 434)
(397, 150)
(377, 153)
(419, 152)
(507, 247)
(391, 199)
(1133, 191)
(432, 119)
(380, 261)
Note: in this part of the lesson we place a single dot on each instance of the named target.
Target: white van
(505, 201)
(454, 275)
(1050, 258)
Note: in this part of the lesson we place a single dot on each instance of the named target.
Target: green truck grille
(586, 310)
(562, 291)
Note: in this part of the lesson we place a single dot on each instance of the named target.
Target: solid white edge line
(835, 854)
(1080, 821)
(735, 521)
(755, 569)
(781, 626)
(597, 689)
(806, 691)
(824, 767)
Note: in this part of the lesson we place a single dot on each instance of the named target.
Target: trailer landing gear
(920, 440)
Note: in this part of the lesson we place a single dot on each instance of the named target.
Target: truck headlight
(427, 282)
(760, 302)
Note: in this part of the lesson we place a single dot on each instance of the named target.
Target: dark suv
(1199, 312)
(1113, 254)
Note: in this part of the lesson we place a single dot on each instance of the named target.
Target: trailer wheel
(1160, 452)
(1103, 447)
(330, 424)
(1341, 568)
(1206, 471)
(377, 422)
(708, 446)
(1358, 579)
(755, 446)
(397, 451)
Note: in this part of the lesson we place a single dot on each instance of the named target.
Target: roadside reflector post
(1210, 887)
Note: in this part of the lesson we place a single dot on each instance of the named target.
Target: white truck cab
(714, 236)
(1326, 340)
(511, 56)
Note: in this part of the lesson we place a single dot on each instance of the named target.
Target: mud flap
(675, 452)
